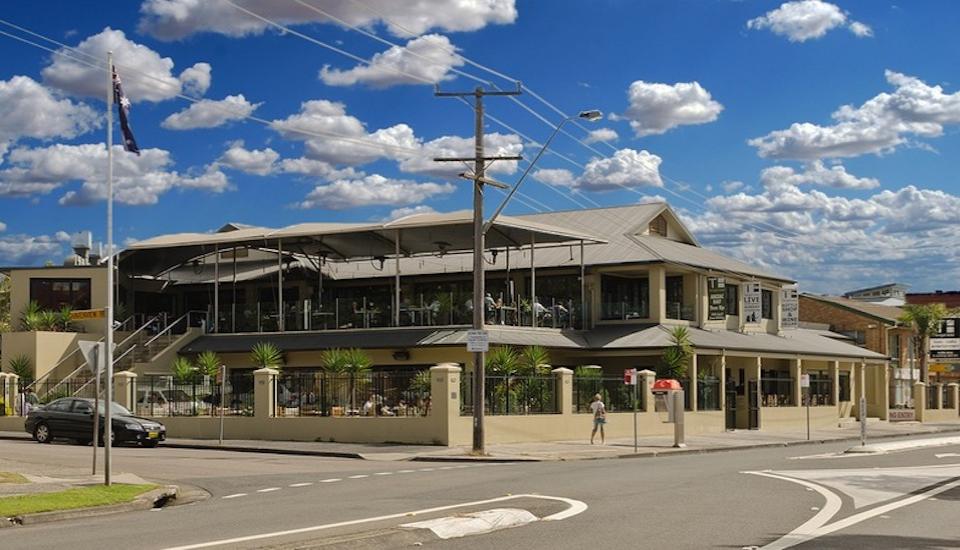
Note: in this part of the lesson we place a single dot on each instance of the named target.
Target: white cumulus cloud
(804, 20)
(627, 167)
(424, 60)
(30, 110)
(495, 144)
(209, 113)
(251, 161)
(656, 108)
(880, 125)
(138, 180)
(816, 173)
(69, 75)
(175, 19)
(601, 135)
(196, 80)
(372, 190)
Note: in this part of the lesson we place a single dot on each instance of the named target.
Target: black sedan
(72, 418)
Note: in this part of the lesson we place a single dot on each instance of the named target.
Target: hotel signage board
(789, 309)
(752, 302)
(946, 343)
(716, 299)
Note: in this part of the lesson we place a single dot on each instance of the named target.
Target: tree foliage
(675, 358)
(266, 355)
(925, 320)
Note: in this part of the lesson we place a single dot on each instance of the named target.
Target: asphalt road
(743, 499)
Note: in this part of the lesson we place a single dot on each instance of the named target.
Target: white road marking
(331, 480)
(441, 468)
(376, 474)
(817, 526)
(268, 490)
(358, 476)
(306, 484)
(574, 507)
(399, 472)
(421, 469)
(234, 495)
(806, 530)
(475, 523)
(938, 455)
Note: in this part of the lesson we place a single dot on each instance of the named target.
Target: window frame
(732, 305)
(78, 298)
(766, 304)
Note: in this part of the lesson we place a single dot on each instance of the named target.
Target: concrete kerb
(155, 498)
(265, 450)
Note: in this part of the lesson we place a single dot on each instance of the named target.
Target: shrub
(266, 355)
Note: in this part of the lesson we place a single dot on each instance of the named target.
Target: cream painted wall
(20, 289)
(45, 350)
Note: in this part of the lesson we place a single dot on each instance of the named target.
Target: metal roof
(890, 314)
(607, 338)
(418, 234)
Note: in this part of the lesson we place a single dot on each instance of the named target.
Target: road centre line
(383, 474)
(331, 480)
(358, 476)
(574, 507)
(305, 484)
(268, 490)
(235, 495)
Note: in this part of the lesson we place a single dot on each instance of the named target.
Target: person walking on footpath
(599, 418)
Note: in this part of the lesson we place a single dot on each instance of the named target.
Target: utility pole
(479, 307)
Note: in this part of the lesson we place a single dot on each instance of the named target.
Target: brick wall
(843, 320)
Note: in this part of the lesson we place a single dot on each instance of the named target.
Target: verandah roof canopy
(417, 234)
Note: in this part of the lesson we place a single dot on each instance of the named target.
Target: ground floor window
(776, 388)
(821, 388)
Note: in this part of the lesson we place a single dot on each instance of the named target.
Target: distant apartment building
(892, 294)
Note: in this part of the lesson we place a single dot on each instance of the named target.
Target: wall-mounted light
(401, 355)
(379, 260)
(442, 247)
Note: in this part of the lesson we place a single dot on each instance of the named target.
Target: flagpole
(108, 428)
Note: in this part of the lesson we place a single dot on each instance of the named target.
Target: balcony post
(693, 382)
(583, 290)
(216, 288)
(280, 322)
(533, 281)
(396, 281)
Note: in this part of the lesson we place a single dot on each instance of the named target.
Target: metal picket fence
(384, 394)
(506, 395)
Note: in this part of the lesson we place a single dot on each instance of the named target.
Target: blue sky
(818, 139)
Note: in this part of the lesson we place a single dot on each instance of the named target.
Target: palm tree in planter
(183, 371)
(208, 364)
(22, 367)
(674, 361)
(265, 355)
(349, 363)
(534, 363)
(504, 363)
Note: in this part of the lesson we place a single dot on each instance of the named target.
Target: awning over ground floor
(800, 342)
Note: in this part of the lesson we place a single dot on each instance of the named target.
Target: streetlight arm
(506, 200)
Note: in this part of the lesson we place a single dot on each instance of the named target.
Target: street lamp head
(591, 115)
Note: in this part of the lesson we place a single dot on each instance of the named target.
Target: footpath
(648, 446)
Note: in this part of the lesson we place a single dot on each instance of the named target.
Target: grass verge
(81, 497)
(12, 477)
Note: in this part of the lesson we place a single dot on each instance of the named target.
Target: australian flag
(129, 143)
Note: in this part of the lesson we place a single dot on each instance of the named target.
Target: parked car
(72, 418)
(170, 402)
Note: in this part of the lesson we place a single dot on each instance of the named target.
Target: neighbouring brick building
(872, 326)
(950, 298)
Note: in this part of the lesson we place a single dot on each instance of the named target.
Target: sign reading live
(945, 344)
(752, 302)
(789, 309)
(716, 299)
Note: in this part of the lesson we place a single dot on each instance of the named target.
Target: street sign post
(94, 354)
(630, 379)
(222, 379)
(478, 341)
(805, 385)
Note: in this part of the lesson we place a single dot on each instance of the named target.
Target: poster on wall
(716, 299)
(789, 309)
(752, 302)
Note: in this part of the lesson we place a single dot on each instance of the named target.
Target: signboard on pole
(804, 380)
(789, 309)
(87, 314)
(630, 377)
(752, 302)
(946, 343)
(716, 299)
(94, 353)
(478, 341)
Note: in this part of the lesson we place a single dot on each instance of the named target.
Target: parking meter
(668, 395)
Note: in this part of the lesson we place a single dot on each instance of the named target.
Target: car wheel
(42, 433)
(113, 438)
(150, 444)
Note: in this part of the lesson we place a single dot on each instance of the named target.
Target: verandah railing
(164, 396)
(320, 393)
